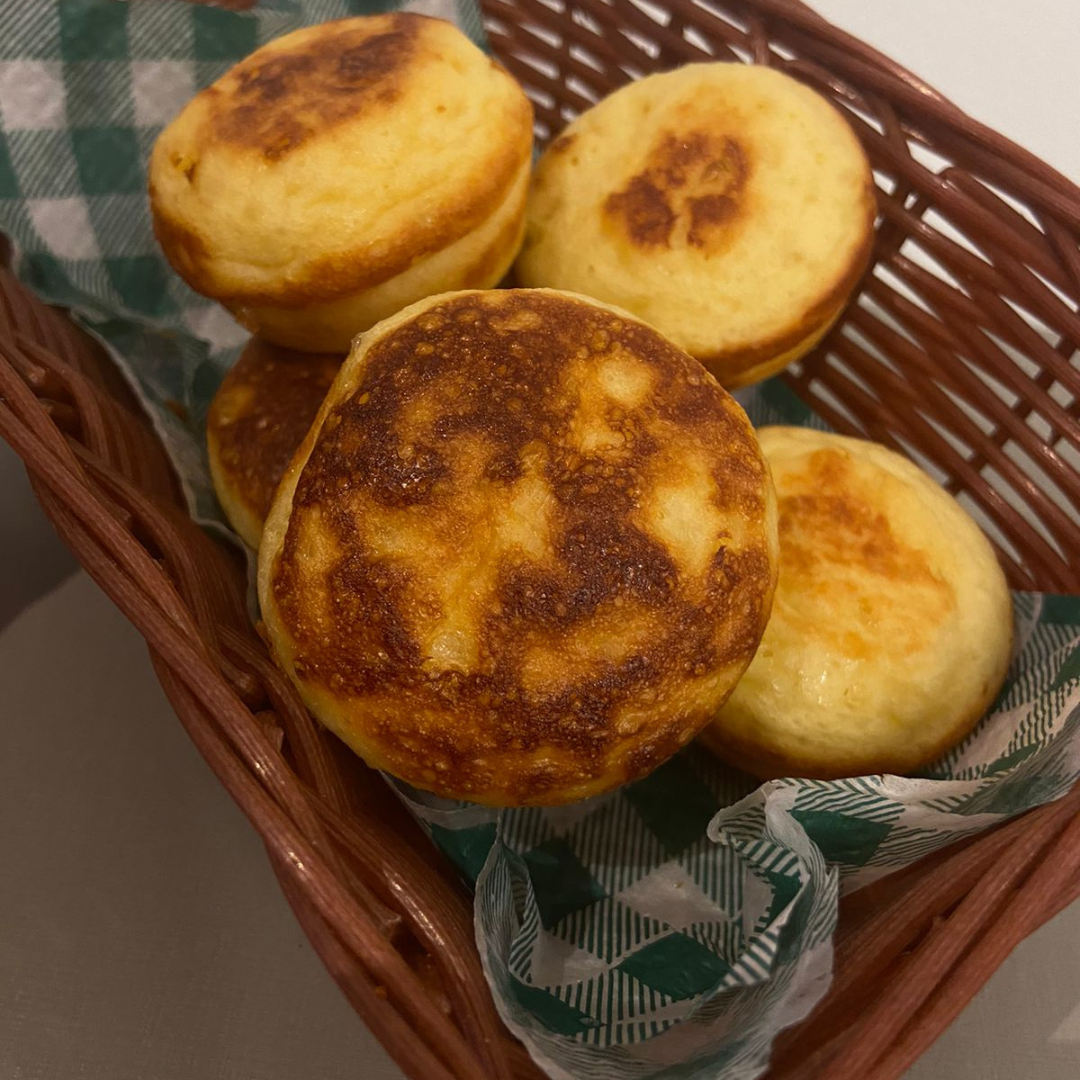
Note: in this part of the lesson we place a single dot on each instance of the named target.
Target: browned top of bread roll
(726, 204)
(525, 551)
(334, 157)
(891, 630)
(258, 418)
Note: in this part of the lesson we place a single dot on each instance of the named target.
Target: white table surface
(142, 936)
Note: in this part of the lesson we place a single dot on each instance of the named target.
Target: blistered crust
(526, 551)
(277, 100)
(690, 191)
(257, 419)
(334, 158)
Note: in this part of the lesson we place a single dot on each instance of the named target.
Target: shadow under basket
(959, 350)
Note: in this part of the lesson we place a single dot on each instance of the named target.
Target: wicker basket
(970, 371)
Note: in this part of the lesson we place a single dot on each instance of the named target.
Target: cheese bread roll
(891, 631)
(257, 419)
(524, 553)
(342, 172)
(726, 204)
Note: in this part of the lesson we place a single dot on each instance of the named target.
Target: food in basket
(525, 551)
(258, 417)
(891, 629)
(728, 205)
(342, 172)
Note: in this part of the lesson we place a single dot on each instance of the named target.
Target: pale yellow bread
(525, 551)
(478, 260)
(891, 630)
(341, 172)
(257, 419)
(728, 205)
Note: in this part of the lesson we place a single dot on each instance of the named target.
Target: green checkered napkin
(85, 87)
(669, 929)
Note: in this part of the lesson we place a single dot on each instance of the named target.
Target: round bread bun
(258, 418)
(525, 551)
(891, 630)
(726, 204)
(342, 172)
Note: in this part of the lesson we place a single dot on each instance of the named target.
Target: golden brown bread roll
(726, 204)
(525, 551)
(257, 419)
(891, 630)
(342, 172)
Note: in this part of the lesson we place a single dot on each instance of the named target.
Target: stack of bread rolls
(519, 545)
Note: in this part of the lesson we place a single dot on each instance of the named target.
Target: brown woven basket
(970, 370)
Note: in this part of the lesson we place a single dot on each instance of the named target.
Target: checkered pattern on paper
(616, 933)
(618, 925)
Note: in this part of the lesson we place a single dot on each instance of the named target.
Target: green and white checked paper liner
(669, 929)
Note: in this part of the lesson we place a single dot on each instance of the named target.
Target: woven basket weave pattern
(970, 373)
